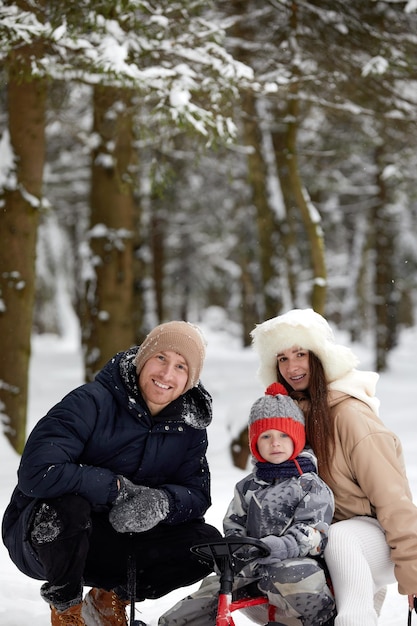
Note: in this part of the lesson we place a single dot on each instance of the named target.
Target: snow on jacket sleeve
(50, 464)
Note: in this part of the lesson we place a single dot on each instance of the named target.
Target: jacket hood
(357, 384)
(119, 376)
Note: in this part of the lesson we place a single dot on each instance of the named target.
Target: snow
(376, 65)
(230, 375)
(7, 166)
(410, 6)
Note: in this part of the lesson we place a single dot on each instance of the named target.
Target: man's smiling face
(162, 379)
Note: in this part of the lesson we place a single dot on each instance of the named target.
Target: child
(285, 503)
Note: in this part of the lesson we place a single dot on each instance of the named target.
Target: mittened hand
(281, 548)
(127, 490)
(141, 512)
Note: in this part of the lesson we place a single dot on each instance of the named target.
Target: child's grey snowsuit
(275, 500)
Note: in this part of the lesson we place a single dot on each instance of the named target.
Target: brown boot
(104, 608)
(70, 617)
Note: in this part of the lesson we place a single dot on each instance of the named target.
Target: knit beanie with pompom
(181, 337)
(278, 411)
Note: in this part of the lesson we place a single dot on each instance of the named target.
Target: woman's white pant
(358, 558)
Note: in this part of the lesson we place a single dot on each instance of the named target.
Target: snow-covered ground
(230, 375)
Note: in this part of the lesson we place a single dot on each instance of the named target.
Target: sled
(230, 555)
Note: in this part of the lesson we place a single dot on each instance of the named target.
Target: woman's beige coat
(369, 478)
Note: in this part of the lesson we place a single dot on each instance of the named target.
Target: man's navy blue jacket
(103, 429)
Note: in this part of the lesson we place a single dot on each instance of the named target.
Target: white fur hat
(304, 328)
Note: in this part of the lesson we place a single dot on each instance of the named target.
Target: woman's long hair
(319, 424)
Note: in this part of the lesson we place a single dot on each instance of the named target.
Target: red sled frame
(230, 555)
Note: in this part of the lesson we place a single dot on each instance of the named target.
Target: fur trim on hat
(276, 410)
(181, 337)
(306, 329)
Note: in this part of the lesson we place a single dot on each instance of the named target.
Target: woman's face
(293, 365)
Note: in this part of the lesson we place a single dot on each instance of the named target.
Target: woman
(117, 470)
(374, 538)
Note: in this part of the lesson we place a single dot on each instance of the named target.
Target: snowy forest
(162, 158)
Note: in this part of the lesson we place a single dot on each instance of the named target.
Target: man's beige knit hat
(181, 337)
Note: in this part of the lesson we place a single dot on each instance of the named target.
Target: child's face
(275, 446)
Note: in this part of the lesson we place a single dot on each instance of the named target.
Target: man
(117, 471)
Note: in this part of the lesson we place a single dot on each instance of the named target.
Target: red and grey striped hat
(278, 411)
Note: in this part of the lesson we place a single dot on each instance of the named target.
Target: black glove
(140, 512)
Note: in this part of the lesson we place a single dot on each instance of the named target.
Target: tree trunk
(108, 323)
(309, 214)
(265, 217)
(18, 232)
(291, 250)
(242, 30)
(157, 246)
(240, 449)
(384, 303)
(248, 283)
